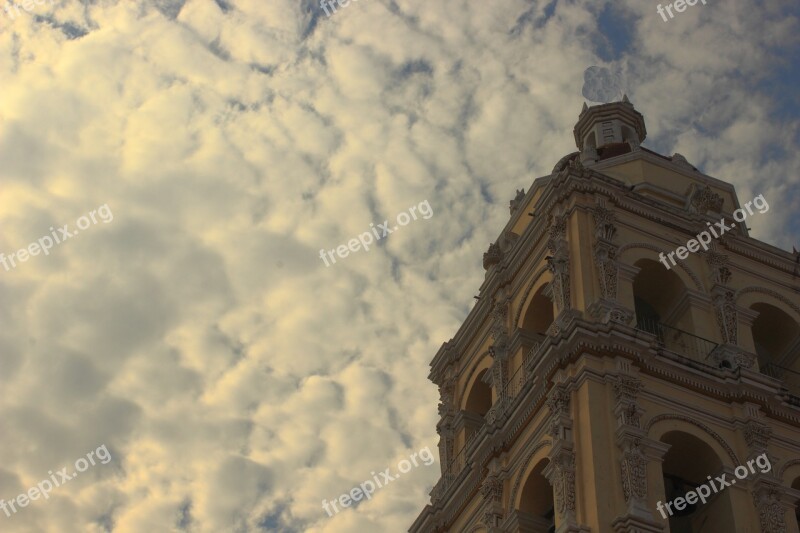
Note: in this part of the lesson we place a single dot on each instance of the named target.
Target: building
(594, 381)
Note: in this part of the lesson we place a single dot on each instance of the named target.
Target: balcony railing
(679, 341)
(456, 465)
(791, 378)
(515, 383)
(459, 461)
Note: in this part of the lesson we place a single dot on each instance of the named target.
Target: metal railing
(515, 383)
(456, 465)
(678, 341)
(790, 378)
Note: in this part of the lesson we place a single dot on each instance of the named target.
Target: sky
(201, 153)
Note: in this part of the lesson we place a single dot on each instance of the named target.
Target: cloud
(236, 380)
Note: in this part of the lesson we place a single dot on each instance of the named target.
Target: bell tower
(591, 385)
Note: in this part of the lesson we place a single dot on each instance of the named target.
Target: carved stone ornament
(718, 262)
(627, 388)
(492, 489)
(446, 405)
(634, 473)
(726, 314)
(757, 435)
(558, 401)
(770, 510)
(632, 415)
(604, 222)
(623, 316)
(516, 203)
(704, 200)
(562, 477)
(744, 360)
(492, 256)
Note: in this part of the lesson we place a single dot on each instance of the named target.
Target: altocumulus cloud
(236, 381)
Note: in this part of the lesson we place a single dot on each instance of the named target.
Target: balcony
(678, 341)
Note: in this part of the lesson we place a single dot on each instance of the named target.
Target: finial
(625, 99)
(585, 108)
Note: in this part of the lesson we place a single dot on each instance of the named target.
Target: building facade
(595, 380)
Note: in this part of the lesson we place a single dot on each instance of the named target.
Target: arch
(775, 333)
(788, 473)
(540, 278)
(684, 271)
(539, 314)
(689, 462)
(718, 444)
(539, 452)
(778, 299)
(478, 399)
(658, 294)
(484, 361)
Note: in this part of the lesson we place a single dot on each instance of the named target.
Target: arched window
(539, 315)
(796, 486)
(479, 398)
(658, 293)
(775, 335)
(536, 508)
(687, 465)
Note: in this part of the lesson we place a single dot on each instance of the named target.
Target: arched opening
(536, 507)
(775, 335)
(663, 308)
(657, 293)
(479, 398)
(687, 465)
(539, 315)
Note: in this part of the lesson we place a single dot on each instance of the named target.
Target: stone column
(492, 498)
(560, 471)
(636, 452)
(607, 308)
